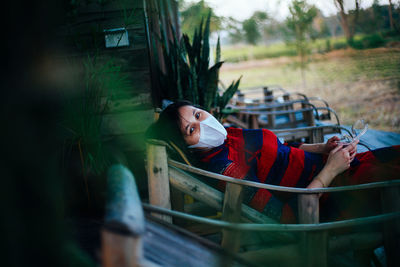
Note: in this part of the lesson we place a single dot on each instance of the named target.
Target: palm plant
(187, 73)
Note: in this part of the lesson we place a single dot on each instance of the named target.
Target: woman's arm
(338, 161)
(321, 148)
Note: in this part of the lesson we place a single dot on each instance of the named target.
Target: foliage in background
(84, 113)
(252, 27)
(187, 73)
(193, 13)
(299, 25)
(348, 18)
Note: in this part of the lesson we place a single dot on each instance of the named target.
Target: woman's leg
(372, 166)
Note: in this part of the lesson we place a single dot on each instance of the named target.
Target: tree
(392, 25)
(251, 32)
(348, 19)
(234, 29)
(252, 25)
(299, 26)
(192, 14)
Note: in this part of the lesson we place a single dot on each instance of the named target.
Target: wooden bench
(309, 242)
(322, 110)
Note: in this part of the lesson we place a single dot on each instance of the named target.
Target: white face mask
(212, 133)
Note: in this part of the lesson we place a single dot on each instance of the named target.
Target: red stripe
(209, 157)
(268, 155)
(260, 199)
(294, 169)
(236, 171)
(236, 146)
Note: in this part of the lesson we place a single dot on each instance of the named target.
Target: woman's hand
(339, 160)
(340, 157)
(331, 144)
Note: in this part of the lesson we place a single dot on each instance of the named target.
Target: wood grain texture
(158, 182)
(314, 245)
(231, 212)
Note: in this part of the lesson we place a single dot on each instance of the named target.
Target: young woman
(258, 155)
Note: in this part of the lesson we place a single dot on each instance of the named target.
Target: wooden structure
(285, 110)
(310, 243)
(130, 240)
(122, 35)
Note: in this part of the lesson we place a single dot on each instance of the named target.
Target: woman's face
(190, 123)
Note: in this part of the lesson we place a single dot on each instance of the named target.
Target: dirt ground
(357, 84)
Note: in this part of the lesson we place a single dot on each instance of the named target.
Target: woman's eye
(197, 115)
(191, 130)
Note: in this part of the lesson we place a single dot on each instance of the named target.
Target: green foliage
(299, 25)
(187, 73)
(368, 41)
(253, 25)
(193, 14)
(251, 33)
(84, 113)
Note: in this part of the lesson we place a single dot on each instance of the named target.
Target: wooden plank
(192, 186)
(314, 244)
(129, 143)
(124, 220)
(210, 196)
(140, 102)
(124, 123)
(283, 255)
(111, 6)
(157, 173)
(390, 198)
(119, 250)
(214, 198)
(231, 212)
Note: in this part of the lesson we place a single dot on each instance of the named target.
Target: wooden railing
(314, 244)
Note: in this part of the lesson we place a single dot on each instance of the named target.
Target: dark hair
(168, 125)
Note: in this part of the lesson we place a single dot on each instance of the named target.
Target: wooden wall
(131, 110)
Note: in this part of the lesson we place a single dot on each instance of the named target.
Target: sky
(243, 9)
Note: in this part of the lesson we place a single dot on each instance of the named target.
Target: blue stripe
(273, 209)
(311, 160)
(250, 191)
(253, 139)
(280, 165)
(219, 162)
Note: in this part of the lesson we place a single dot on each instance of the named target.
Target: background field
(356, 83)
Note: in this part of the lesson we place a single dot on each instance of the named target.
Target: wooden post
(268, 94)
(157, 173)
(253, 121)
(231, 212)
(124, 221)
(391, 229)
(314, 245)
(271, 120)
(317, 136)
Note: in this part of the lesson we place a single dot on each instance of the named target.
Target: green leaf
(218, 51)
(229, 93)
(212, 85)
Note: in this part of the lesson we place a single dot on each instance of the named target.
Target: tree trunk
(344, 20)
(391, 15)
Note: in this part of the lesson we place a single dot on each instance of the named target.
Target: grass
(237, 53)
(356, 83)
